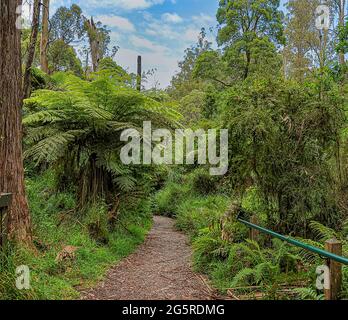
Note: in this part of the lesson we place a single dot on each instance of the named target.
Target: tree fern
(77, 127)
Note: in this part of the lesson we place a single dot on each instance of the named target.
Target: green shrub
(202, 182)
(57, 224)
(208, 248)
(168, 199)
(8, 264)
(97, 222)
(197, 213)
(236, 261)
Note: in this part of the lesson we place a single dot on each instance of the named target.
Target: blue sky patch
(159, 30)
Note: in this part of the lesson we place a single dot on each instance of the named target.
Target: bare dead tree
(31, 49)
(44, 36)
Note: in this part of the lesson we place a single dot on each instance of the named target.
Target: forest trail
(159, 270)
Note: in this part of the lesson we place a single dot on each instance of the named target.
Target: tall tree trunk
(342, 62)
(247, 66)
(94, 43)
(139, 73)
(31, 49)
(341, 23)
(11, 157)
(44, 36)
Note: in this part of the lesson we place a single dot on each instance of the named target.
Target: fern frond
(245, 276)
(52, 148)
(125, 183)
(308, 294)
(322, 232)
(44, 117)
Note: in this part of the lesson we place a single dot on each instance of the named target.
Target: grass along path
(159, 270)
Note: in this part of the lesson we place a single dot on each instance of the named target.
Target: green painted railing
(321, 252)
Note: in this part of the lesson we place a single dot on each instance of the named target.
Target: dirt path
(159, 270)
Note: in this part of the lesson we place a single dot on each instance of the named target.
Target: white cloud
(158, 28)
(203, 19)
(191, 35)
(116, 22)
(123, 4)
(147, 44)
(172, 18)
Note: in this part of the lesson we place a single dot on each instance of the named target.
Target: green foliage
(168, 198)
(77, 130)
(39, 79)
(202, 182)
(237, 263)
(321, 232)
(63, 57)
(183, 82)
(248, 29)
(109, 68)
(287, 153)
(191, 107)
(8, 265)
(222, 249)
(97, 222)
(302, 38)
(308, 294)
(197, 213)
(250, 265)
(208, 247)
(342, 45)
(67, 24)
(282, 140)
(57, 225)
(181, 186)
(211, 66)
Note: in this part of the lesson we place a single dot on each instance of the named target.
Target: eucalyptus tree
(67, 24)
(44, 35)
(184, 82)
(31, 49)
(11, 160)
(244, 28)
(303, 39)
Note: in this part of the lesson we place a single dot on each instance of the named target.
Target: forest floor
(159, 270)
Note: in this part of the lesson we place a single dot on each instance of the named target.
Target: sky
(158, 30)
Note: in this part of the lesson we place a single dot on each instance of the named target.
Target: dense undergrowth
(267, 269)
(58, 225)
(88, 208)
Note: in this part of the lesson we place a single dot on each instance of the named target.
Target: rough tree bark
(44, 36)
(94, 43)
(31, 49)
(11, 158)
(341, 23)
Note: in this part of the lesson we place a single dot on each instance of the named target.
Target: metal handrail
(297, 243)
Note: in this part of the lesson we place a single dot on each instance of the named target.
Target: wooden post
(334, 246)
(139, 73)
(254, 234)
(5, 201)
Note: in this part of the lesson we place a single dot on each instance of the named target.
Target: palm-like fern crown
(81, 122)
